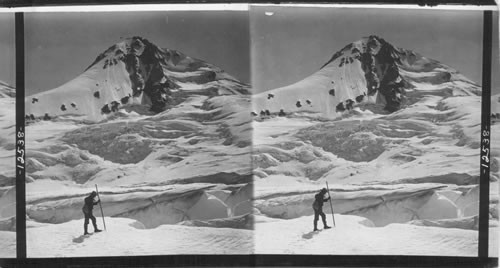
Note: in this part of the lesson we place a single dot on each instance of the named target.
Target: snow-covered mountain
(7, 170)
(368, 71)
(165, 136)
(396, 136)
(134, 71)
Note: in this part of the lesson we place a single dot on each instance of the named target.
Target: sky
(7, 48)
(291, 43)
(59, 46)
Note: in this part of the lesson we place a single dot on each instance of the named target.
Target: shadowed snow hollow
(152, 206)
(381, 204)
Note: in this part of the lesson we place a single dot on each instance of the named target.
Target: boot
(85, 230)
(96, 230)
(315, 227)
(327, 227)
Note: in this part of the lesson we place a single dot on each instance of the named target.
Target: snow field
(65, 240)
(354, 235)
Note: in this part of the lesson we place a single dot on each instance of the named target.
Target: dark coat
(319, 200)
(89, 204)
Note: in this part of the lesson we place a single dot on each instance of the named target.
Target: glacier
(396, 137)
(166, 137)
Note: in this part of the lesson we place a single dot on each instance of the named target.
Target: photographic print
(138, 133)
(374, 114)
(7, 137)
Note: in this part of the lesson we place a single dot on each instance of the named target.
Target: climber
(87, 212)
(319, 198)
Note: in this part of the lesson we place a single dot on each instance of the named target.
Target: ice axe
(331, 206)
(100, 205)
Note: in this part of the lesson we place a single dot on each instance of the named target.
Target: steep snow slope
(7, 171)
(368, 71)
(167, 139)
(134, 71)
(404, 155)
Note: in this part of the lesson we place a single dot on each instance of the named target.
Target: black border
(20, 166)
(484, 181)
(260, 261)
(249, 260)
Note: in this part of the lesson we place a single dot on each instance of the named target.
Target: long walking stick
(331, 206)
(100, 205)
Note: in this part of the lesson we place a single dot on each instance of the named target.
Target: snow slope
(125, 237)
(134, 71)
(368, 71)
(7, 170)
(353, 235)
(403, 156)
(166, 139)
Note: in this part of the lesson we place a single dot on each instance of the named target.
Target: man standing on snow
(319, 199)
(87, 212)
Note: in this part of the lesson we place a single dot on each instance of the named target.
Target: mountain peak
(137, 71)
(370, 70)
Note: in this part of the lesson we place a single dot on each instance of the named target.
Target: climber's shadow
(81, 238)
(311, 234)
